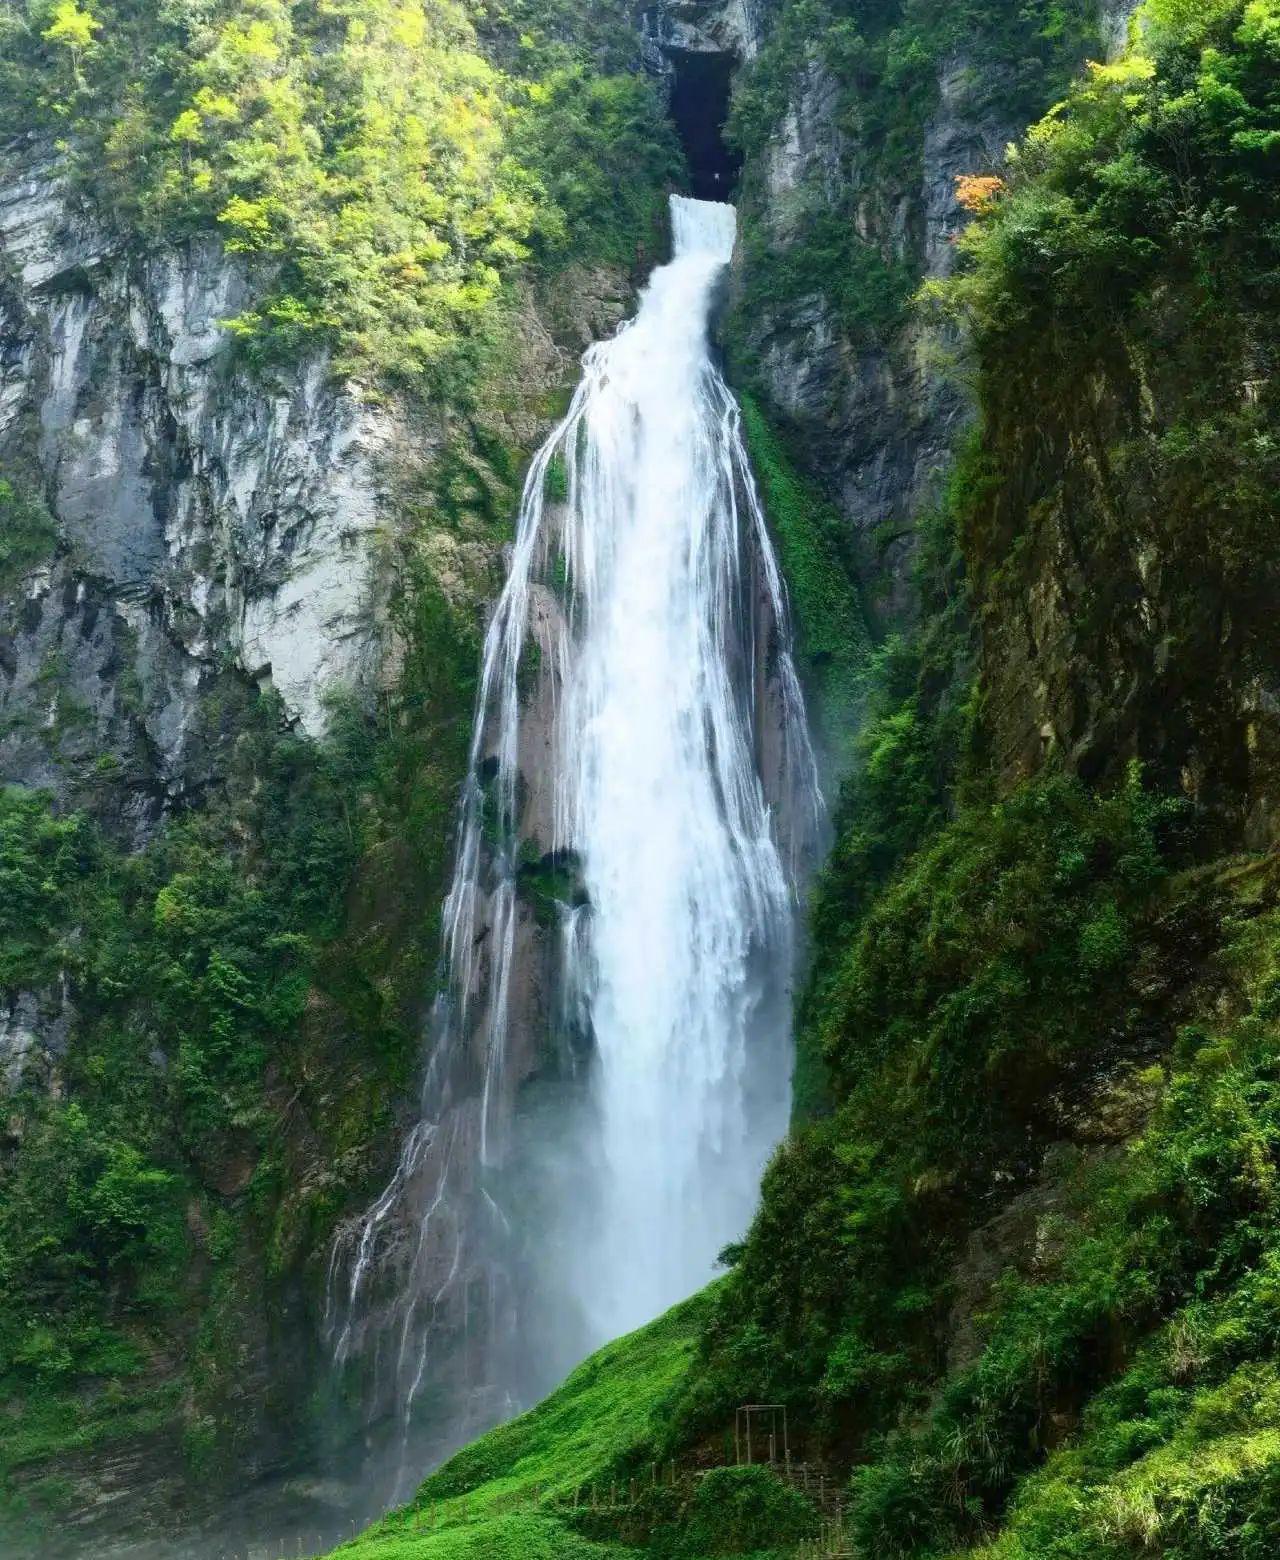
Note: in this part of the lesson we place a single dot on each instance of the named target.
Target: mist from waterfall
(642, 797)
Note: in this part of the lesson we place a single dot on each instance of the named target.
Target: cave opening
(700, 107)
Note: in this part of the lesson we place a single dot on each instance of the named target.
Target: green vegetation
(1140, 175)
(867, 290)
(831, 634)
(996, 1019)
(577, 1479)
(557, 479)
(511, 1493)
(949, 1025)
(1015, 1272)
(884, 62)
(150, 1205)
(28, 536)
(1179, 1453)
(242, 996)
(550, 883)
(1135, 250)
(384, 175)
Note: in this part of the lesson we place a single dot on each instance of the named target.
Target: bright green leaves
(46, 864)
(395, 178)
(72, 26)
(1146, 164)
(70, 35)
(80, 1203)
(1179, 1451)
(28, 535)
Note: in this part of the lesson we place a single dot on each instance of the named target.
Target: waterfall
(641, 803)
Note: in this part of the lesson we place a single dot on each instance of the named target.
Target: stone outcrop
(1117, 625)
(209, 517)
(733, 27)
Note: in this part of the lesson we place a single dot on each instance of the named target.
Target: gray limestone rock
(208, 516)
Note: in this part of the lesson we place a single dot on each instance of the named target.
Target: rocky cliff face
(1120, 569)
(875, 409)
(731, 27)
(208, 518)
(1099, 642)
(215, 536)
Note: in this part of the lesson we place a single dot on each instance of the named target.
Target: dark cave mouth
(699, 109)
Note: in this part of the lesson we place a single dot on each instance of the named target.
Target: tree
(73, 27)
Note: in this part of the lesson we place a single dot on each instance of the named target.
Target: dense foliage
(385, 175)
(28, 535)
(1124, 281)
(151, 1203)
(235, 997)
(1014, 1270)
(1158, 169)
(949, 1026)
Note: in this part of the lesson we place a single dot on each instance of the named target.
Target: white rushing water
(673, 793)
(685, 965)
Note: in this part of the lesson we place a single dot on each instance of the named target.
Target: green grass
(506, 1495)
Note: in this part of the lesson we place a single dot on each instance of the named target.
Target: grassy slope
(498, 1497)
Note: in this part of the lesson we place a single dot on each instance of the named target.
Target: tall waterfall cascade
(609, 1055)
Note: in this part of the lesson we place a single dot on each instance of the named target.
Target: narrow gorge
(639, 750)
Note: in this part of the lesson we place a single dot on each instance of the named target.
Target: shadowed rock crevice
(700, 84)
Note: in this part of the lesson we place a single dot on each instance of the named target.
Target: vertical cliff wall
(209, 521)
(856, 123)
(210, 562)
